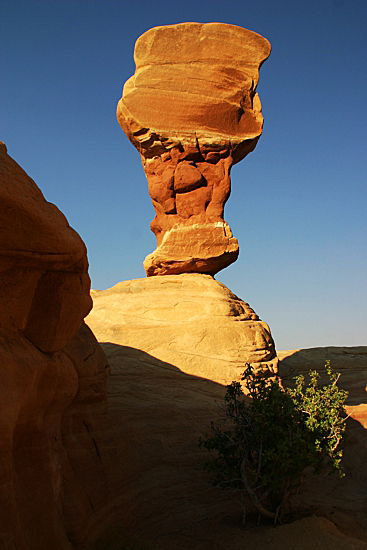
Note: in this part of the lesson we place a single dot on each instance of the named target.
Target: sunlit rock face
(192, 111)
(52, 371)
(189, 320)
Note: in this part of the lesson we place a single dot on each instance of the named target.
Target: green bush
(268, 437)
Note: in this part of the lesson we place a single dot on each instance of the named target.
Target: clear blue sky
(299, 201)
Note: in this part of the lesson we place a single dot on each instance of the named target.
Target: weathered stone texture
(189, 320)
(53, 372)
(44, 290)
(159, 412)
(192, 111)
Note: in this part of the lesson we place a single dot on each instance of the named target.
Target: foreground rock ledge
(191, 321)
(152, 460)
(53, 375)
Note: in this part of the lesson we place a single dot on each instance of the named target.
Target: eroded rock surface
(192, 111)
(53, 373)
(158, 488)
(190, 320)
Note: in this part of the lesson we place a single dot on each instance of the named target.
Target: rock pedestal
(190, 321)
(192, 330)
(192, 111)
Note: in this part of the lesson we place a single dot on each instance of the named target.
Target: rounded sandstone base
(190, 321)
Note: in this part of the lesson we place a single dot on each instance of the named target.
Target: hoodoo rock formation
(71, 467)
(192, 111)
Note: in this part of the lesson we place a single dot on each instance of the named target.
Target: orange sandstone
(53, 373)
(192, 111)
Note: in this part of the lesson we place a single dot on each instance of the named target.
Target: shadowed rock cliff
(53, 372)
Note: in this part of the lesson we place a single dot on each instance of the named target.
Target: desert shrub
(267, 438)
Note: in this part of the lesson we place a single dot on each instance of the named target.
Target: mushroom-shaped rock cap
(194, 83)
(212, 43)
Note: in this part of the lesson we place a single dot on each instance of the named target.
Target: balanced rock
(190, 321)
(192, 111)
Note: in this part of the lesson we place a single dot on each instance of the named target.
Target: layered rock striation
(192, 111)
(158, 412)
(190, 320)
(53, 372)
(70, 467)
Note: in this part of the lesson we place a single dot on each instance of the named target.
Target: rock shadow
(151, 454)
(153, 462)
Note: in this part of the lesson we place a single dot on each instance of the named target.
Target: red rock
(44, 288)
(202, 248)
(53, 372)
(192, 111)
(70, 467)
(187, 177)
